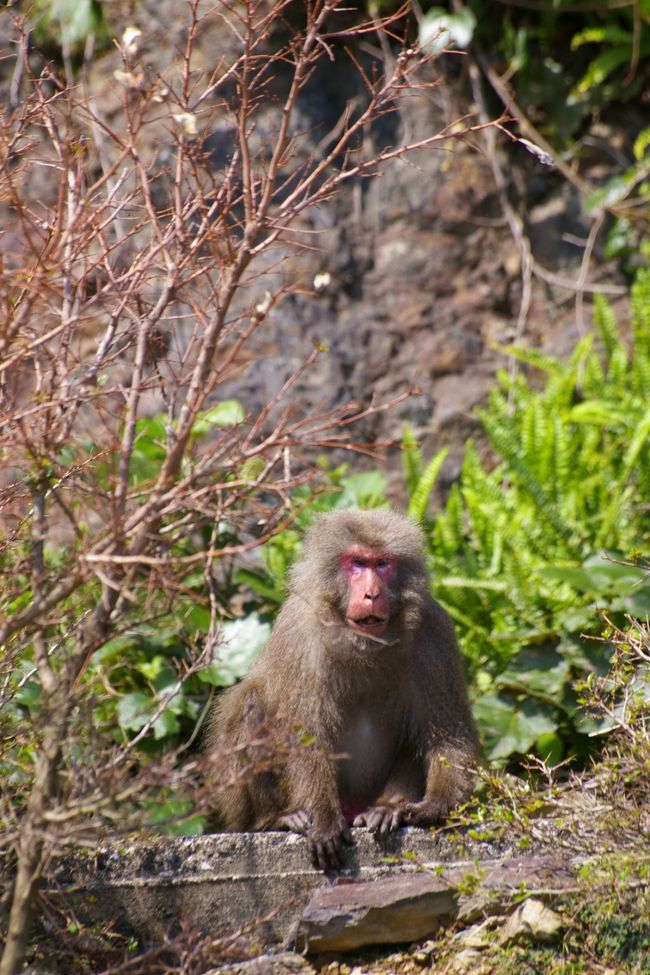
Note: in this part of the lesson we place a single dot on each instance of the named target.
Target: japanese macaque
(363, 663)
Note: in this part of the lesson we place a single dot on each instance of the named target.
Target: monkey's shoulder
(435, 621)
(295, 632)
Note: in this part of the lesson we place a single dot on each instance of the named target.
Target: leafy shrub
(525, 551)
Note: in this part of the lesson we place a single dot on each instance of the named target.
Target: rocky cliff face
(411, 278)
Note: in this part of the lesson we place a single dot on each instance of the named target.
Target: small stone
(466, 961)
(279, 963)
(534, 922)
(479, 935)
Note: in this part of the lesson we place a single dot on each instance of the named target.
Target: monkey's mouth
(368, 625)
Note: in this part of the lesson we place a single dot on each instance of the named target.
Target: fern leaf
(508, 447)
(641, 371)
(411, 459)
(605, 323)
(639, 441)
(532, 357)
(618, 372)
(641, 311)
(465, 582)
(422, 490)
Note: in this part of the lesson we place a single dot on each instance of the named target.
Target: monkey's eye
(359, 563)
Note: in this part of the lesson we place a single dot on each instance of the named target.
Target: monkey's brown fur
(397, 706)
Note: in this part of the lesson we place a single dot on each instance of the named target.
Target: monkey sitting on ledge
(364, 662)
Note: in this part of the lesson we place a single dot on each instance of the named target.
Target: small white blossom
(187, 121)
(263, 306)
(161, 94)
(131, 41)
(129, 79)
(322, 281)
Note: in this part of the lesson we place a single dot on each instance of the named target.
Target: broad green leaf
(259, 585)
(440, 29)
(641, 144)
(226, 414)
(367, 489)
(134, 710)
(242, 641)
(509, 727)
(538, 669)
(165, 725)
(153, 668)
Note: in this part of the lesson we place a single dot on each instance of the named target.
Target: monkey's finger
(360, 820)
(298, 821)
(390, 822)
(317, 856)
(335, 852)
(375, 819)
(324, 856)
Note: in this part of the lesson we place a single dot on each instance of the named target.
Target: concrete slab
(229, 881)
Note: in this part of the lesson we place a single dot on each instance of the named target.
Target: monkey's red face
(369, 575)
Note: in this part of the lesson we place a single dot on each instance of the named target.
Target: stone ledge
(263, 881)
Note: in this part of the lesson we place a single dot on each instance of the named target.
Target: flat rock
(386, 911)
(406, 908)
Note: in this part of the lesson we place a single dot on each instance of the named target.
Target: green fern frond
(640, 303)
(618, 371)
(605, 324)
(533, 430)
(593, 376)
(466, 582)
(640, 441)
(641, 371)
(560, 390)
(448, 530)
(508, 447)
(562, 458)
(532, 357)
(421, 491)
(411, 459)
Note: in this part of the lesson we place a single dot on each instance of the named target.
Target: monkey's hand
(380, 820)
(328, 845)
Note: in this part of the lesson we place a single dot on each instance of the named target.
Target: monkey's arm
(445, 735)
(314, 808)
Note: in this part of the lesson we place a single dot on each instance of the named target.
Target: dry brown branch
(136, 279)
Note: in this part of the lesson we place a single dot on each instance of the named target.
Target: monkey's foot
(380, 820)
(424, 813)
